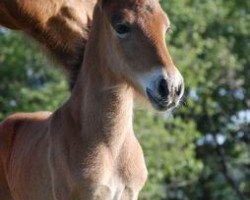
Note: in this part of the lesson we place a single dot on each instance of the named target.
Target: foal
(87, 149)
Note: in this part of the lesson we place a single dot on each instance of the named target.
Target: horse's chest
(106, 178)
(117, 187)
(113, 189)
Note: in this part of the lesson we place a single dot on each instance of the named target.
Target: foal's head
(135, 31)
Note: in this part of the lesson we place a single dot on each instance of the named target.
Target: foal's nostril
(179, 90)
(163, 88)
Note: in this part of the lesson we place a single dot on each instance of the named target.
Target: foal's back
(24, 151)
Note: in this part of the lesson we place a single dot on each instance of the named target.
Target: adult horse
(61, 26)
(87, 149)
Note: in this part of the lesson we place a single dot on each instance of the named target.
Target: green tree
(211, 46)
(27, 81)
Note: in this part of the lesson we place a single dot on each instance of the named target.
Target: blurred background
(202, 152)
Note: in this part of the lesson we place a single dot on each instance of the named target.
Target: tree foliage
(203, 151)
(27, 82)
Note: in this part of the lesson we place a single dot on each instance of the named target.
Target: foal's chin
(143, 101)
(162, 108)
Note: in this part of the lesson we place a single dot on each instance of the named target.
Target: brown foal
(87, 149)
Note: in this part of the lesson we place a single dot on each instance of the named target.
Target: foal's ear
(103, 2)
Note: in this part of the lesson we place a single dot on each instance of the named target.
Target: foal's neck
(104, 107)
(101, 102)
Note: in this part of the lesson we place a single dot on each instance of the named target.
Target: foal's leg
(100, 192)
(129, 194)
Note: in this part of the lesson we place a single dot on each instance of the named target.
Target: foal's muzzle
(166, 94)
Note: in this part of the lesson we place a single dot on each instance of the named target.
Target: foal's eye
(122, 29)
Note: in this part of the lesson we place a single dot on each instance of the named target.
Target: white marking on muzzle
(151, 79)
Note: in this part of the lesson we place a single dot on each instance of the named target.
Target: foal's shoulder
(11, 124)
(17, 118)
